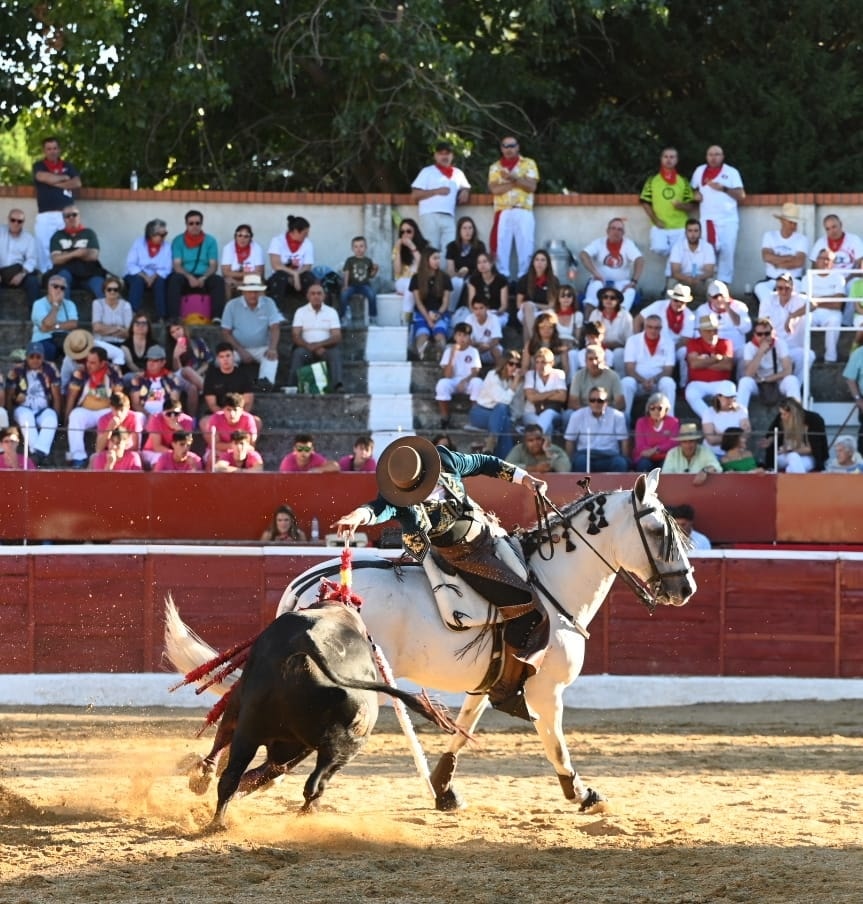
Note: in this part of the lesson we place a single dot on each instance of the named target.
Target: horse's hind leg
(446, 797)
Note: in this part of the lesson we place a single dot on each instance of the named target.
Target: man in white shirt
(649, 362)
(437, 190)
(783, 250)
(731, 314)
(612, 260)
(786, 309)
(848, 250)
(692, 261)
(766, 360)
(678, 323)
(596, 436)
(18, 254)
(317, 336)
(827, 301)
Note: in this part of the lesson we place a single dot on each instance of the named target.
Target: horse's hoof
(594, 803)
(448, 800)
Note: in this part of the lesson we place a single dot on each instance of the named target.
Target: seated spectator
(461, 258)
(692, 261)
(684, 515)
(618, 326)
(222, 425)
(117, 456)
(595, 374)
(570, 321)
(691, 455)
(848, 255)
(53, 317)
(655, 433)
(486, 283)
(786, 311)
(724, 412)
(853, 376)
(112, 315)
(593, 333)
(845, 459)
(76, 346)
(492, 411)
(613, 261)
(75, 255)
(710, 360)
(537, 454)
(190, 356)
(317, 336)
(88, 398)
(407, 252)
(357, 274)
(485, 332)
(732, 317)
(432, 291)
(596, 436)
(283, 528)
(223, 377)
(304, 460)
(767, 368)
(241, 258)
(545, 335)
(736, 454)
(148, 266)
(544, 392)
(292, 256)
(363, 459)
(783, 250)
(678, 323)
(536, 291)
(180, 457)
(827, 302)
(19, 257)
(240, 454)
(800, 439)
(135, 347)
(33, 391)
(10, 458)
(649, 361)
(195, 262)
(252, 325)
(119, 417)
(149, 390)
(162, 428)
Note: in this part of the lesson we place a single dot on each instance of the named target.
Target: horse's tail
(186, 652)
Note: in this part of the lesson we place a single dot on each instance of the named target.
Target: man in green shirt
(537, 454)
(668, 201)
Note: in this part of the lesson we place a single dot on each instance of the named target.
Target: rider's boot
(525, 641)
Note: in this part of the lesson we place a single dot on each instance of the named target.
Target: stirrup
(516, 706)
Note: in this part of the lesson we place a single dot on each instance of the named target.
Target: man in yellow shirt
(512, 180)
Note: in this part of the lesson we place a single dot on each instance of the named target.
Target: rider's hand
(347, 525)
(537, 485)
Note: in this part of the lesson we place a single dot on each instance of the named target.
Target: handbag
(314, 379)
(769, 394)
(196, 309)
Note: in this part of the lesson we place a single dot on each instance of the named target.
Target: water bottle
(133, 180)
(316, 528)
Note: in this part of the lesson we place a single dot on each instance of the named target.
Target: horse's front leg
(547, 701)
(446, 797)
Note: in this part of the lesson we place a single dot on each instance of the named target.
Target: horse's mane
(533, 536)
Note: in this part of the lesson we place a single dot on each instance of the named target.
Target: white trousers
(266, 369)
(726, 244)
(47, 223)
(438, 230)
(81, 419)
(747, 387)
(42, 427)
(515, 226)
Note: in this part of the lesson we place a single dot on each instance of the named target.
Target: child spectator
(240, 455)
(180, 457)
(117, 456)
(357, 274)
(362, 459)
(461, 366)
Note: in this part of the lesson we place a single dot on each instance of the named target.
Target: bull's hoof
(199, 778)
(448, 800)
(594, 802)
(214, 828)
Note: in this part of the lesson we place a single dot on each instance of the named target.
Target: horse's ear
(646, 484)
(653, 481)
(640, 487)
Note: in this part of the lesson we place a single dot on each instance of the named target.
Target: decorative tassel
(216, 712)
(212, 664)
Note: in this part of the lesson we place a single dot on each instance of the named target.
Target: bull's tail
(421, 703)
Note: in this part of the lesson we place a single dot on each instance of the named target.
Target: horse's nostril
(687, 589)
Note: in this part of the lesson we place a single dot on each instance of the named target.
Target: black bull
(309, 684)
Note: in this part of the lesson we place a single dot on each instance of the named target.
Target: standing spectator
(223, 377)
(240, 455)
(117, 456)
(655, 433)
(595, 373)
(357, 274)
(617, 322)
(437, 190)
(537, 454)
(596, 436)
(512, 180)
(493, 409)
(406, 259)
(691, 455)
(461, 256)
(732, 316)
(486, 335)
(725, 412)
(148, 266)
(684, 515)
(432, 291)
(544, 392)
(613, 261)
(112, 315)
(33, 391)
(490, 286)
(53, 317)
(853, 375)
(195, 256)
(678, 322)
(363, 459)
(162, 428)
(649, 362)
(180, 457)
(150, 389)
(119, 417)
(800, 439)
(240, 258)
(719, 189)
(56, 181)
(292, 256)
(317, 336)
(18, 257)
(88, 398)
(251, 324)
(692, 260)
(10, 458)
(537, 290)
(283, 528)
(783, 250)
(75, 255)
(461, 365)
(767, 368)
(710, 360)
(303, 459)
(667, 199)
(189, 357)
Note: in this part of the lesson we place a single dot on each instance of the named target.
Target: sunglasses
(160, 234)
(606, 297)
(510, 146)
(56, 285)
(512, 363)
(194, 222)
(173, 413)
(112, 288)
(15, 220)
(595, 401)
(406, 232)
(71, 216)
(243, 235)
(303, 448)
(762, 334)
(655, 408)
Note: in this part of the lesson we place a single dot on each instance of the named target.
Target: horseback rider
(420, 485)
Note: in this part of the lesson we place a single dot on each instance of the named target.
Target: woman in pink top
(654, 433)
(10, 458)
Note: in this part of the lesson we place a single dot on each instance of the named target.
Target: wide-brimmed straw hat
(78, 344)
(408, 470)
(680, 293)
(790, 211)
(689, 430)
(252, 283)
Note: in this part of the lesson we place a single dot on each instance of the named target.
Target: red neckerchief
(835, 244)
(293, 244)
(56, 167)
(711, 173)
(193, 241)
(668, 175)
(612, 316)
(674, 318)
(613, 247)
(164, 372)
(73, 230)
(446, 170)
(98, 378)
(541, 282)
(651, 344)
(509, 163)
(242, 252)
(153, 248)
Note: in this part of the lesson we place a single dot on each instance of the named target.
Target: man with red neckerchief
(196, 267)
(718, 188)
(56, 182)
(512, 180)
(612, 260)
(437, 190)
(667, 200)
(710, 360)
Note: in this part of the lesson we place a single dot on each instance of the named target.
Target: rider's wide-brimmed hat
(408, 470)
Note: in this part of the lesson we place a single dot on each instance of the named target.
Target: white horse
(572, 563)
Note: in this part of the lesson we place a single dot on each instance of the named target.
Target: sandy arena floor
(716, 803)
